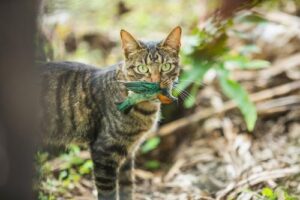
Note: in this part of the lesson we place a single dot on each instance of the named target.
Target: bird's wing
(142, 87)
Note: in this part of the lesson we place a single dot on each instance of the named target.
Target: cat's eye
(143, 69)
(166, 67)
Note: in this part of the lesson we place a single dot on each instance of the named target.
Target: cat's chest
(142, 123)
(142, 118)
(145, 114)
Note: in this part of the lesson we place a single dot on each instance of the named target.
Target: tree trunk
(18, 99)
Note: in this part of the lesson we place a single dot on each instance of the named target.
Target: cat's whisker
(183, 94)
(177, 90)
(195, 82)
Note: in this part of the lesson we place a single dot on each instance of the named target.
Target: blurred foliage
(278, 193)
(105, 18)
(152, 164)
(63, 173)
(204, 50)
(268, 193)
(150, 144)
(208, 50)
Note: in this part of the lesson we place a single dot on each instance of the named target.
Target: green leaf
(249, 49)
(152, 164)
(63, 175)
(150, 144)
(281, 193)
(238, 94)
(76, 160)
(86, 168)
(242, 62)
(256, 64)
(268, 192)
(191, 99)
(74, 149)
(195, 75)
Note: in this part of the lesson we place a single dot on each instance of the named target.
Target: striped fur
(78, 104)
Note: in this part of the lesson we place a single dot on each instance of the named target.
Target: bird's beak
(164, 99)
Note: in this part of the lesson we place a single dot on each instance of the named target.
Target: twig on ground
(258, 178)
(278, 105)
(174, 169)
(278, 67)
(145, 175)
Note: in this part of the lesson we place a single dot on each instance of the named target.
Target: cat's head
(152, 61)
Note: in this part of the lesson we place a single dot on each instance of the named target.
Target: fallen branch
(206, 113)
(281, 104)
(258, 178)
(278, 67)
(291, 21)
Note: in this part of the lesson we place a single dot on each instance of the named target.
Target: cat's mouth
(161, 91)
(166, 97)
(141, 91)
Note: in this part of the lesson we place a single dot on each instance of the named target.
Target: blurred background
(235, 132)
(90, 32)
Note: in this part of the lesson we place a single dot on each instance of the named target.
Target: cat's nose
(155, 78)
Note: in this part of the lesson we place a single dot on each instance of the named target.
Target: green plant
(150, 144)
(265, 193)
(152, 164)
(276, 194)
(64, 173)
(208, 50)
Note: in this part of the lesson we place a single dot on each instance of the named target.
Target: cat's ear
(173, 39)
(129, 43)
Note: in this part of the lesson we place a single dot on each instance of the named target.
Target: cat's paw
(107, 196)
(125, 195)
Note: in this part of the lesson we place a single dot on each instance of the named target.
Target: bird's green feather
(143, 91)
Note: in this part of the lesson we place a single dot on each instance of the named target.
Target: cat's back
(56, 68)
(66, 100)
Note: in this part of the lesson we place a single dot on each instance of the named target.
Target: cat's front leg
(105, 173)
(127, 179)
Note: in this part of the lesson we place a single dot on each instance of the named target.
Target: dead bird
(144, 91)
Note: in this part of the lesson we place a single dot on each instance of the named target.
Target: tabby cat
(79, 105)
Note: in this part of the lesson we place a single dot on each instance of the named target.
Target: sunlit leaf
(191, 99)
(86, 168)
(267, 192)
(256, 64)
(152, 164)
(150, 144)
(75, 149)
(238, 94)
(63, 175)
(242, 62)
(76, 160)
